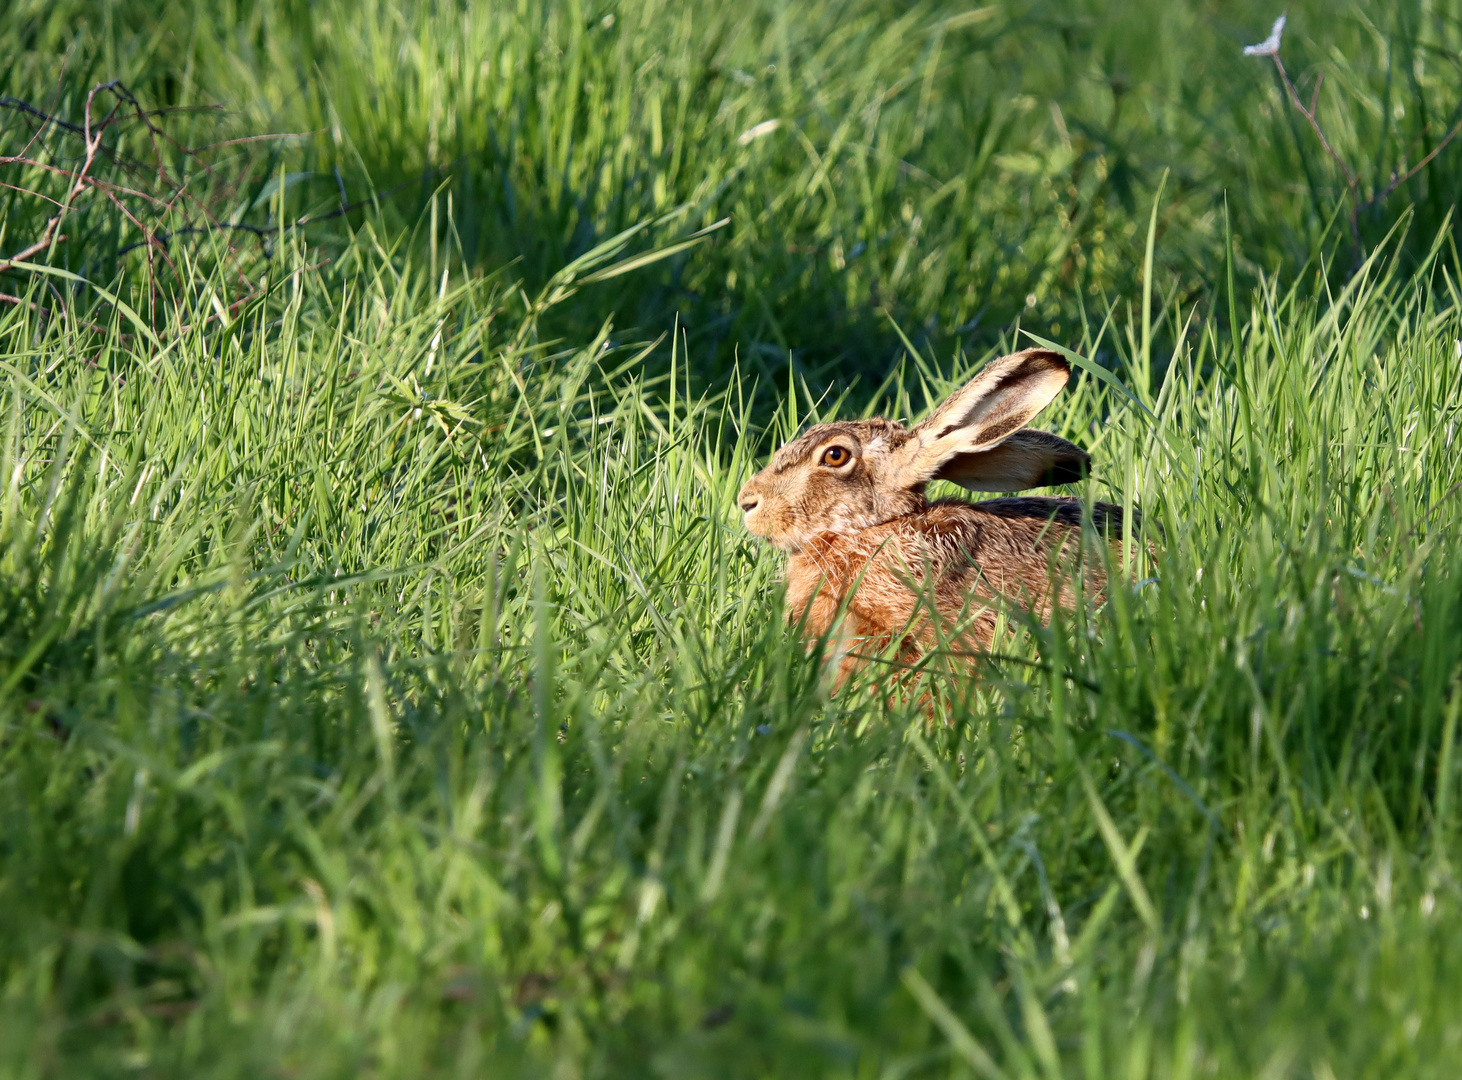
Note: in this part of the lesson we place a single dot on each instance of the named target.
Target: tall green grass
(376, 705)
(953, 167)
(387, 686)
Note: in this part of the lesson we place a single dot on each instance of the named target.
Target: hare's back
(1064, 512)
(1022, 550)
(952, 552)
(952, 534)
(1009, 544)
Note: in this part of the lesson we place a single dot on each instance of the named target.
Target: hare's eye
(835, 456)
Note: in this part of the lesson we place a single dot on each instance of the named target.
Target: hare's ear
(982, 414)
(1026, 459)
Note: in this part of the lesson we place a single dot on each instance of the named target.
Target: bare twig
(28, 191)
(259, 138)
(163, 238)
(263, 233)
(1270, 48)
(1294, 96)
(161, 207)
(81, 178)
(1352, 182)
(1397, 181)
(27, 109)
(50, 235)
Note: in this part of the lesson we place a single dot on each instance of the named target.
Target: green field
(388, 687)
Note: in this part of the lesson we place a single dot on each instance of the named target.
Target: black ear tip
(1069, 470)
(1049, 358)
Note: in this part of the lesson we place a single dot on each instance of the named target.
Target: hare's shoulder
(1010, 528)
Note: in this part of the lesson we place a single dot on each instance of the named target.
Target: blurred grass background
(387, 687)
(953, 169)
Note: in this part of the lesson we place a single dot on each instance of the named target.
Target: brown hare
(846, 501)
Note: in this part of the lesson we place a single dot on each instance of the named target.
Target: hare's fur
(873, 558)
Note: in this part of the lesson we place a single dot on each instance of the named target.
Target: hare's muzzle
(750, 500)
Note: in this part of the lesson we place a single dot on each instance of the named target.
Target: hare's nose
(749, 503)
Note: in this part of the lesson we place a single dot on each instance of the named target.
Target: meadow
(389, 689)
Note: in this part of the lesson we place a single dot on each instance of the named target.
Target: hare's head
(847, 476)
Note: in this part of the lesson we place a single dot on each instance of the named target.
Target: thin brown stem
(1308, 114)
(1397, 181)
(50, 234)
(1352, 182)
(28, 191)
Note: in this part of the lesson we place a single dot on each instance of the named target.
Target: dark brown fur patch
(1105, 517)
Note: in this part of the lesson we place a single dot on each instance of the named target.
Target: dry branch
(1270, 48)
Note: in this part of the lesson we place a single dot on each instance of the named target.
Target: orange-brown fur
(964, 562)
(871, 556)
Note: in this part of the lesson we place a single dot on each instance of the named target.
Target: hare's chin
(759, 527)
